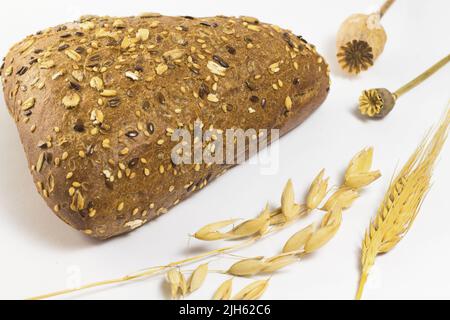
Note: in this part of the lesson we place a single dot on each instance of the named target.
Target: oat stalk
(267, 223)
(149, 272)
(402, 201)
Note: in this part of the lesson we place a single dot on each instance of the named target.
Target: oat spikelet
(247, 267)
(177, 283)
(198, 277)
(211, 232)
(402, 201)
(361, 180)
(253, 291)
(361, 163)
(268, 220)
(358, 174)
(277, 218)
(278, 262)
(317, 191)
(343, 198)
(253, 226)
(174, 280)
(329, 228)
(224, 291)
(298, 240)
(288, 200)
(259, 265)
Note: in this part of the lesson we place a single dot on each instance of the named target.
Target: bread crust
(95, 102)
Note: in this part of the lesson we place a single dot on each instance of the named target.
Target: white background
(39, 253)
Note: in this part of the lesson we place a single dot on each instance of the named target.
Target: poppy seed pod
(360, 41)
(376, 103)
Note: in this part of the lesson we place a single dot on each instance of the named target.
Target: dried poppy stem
(422, 77)
(377, 103)
(385, 7)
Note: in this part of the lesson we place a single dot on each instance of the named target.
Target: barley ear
(362, 283)
(402, 201)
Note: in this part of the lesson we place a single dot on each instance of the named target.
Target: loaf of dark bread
(95, 102)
